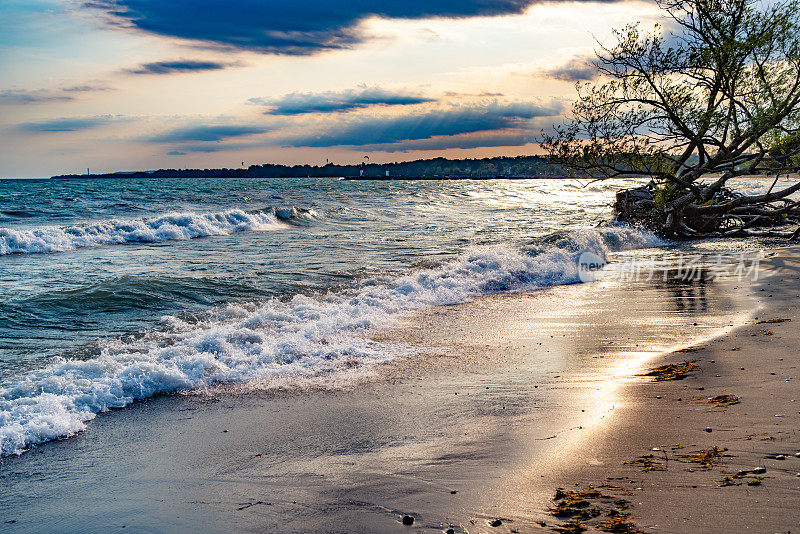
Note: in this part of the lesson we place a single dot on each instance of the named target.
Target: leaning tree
(711, 95)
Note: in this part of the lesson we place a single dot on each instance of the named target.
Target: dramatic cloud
(484, 94)
(296, 28)
(69, 124)
(333, 101)
(577, 69)
(466, 141)
(178, 67)
(31, 97)
(38, 96)
(184, 150)
(370, 130)
(207, 133)
(84, 88)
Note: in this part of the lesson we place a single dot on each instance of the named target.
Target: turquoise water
(117, 290)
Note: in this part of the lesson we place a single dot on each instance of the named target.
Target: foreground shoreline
(526, 395)
(687, 463)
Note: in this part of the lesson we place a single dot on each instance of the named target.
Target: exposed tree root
(726, 214)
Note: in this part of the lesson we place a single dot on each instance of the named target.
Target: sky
(114, 85)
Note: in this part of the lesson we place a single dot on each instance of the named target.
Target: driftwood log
(726, 213)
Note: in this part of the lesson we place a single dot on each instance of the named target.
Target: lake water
(117, 290)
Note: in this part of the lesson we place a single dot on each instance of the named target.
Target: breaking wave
(169, 227)
(290, 340)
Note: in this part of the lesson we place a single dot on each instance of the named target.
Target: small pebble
(797, 454)
(679, 399)
(780, 457)
(760, 470)
(708, 429)
(495, 523)
(450, 531)
(658, 396)
(742, 473)
(408, 520)
(701, 388)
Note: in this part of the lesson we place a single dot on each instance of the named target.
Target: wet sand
(757, 363)
(513, 396)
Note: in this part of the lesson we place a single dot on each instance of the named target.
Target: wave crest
(169, 227)
(298, 339)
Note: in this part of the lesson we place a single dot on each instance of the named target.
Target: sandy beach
(515, 396)
(675, 420)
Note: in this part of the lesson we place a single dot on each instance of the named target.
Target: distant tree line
(517, 167)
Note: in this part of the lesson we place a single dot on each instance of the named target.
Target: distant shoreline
(423, 169)
(347, 178)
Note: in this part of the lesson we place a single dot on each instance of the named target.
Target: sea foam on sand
(296, 339)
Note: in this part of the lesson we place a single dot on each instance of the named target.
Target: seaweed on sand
(721, 401)
(577, 503)
(619, 523)
(707, 458)
(648, 462)
(573, 527)
(588, 505)
(672, 371)
(773, 321)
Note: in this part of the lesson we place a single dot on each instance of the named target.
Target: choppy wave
(298, 339)
(169, 227)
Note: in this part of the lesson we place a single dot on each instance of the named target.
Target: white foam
(172, 226)
(298, 339)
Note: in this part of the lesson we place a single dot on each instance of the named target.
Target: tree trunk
(639, 207)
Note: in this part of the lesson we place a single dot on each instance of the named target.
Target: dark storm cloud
(39, 96)
(184, 150)
(31, 97)
(283, 27)
(578, 69)
(370, 130)
(69, 124)
(456, 141)
(484, 94)
(84, 88)
(178, 67)
(334, 101)
(206, 133)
